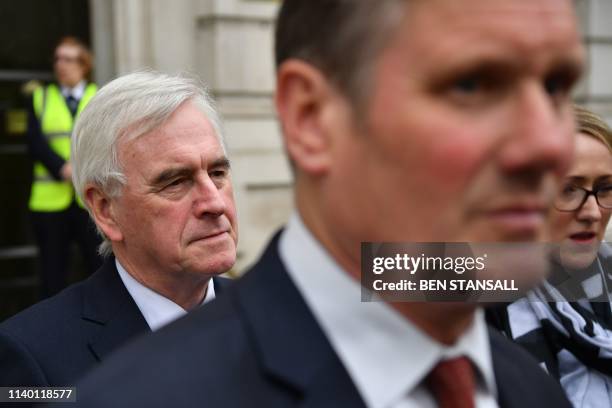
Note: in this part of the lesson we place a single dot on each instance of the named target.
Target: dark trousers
(55, 232)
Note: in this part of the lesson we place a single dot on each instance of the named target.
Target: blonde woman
(567, 323)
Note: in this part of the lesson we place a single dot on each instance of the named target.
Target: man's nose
(208, 199)
(541, 132)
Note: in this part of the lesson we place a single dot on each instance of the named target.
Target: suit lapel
(292, 348)
(515, 387)
(108, 305)
(505, 396)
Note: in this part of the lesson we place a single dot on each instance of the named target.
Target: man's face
(468, 126)
(67, 65)
(176, 212)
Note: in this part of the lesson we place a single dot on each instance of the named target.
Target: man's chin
(213, 264)
(211, 257)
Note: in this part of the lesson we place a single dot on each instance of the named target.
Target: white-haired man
(150, 164)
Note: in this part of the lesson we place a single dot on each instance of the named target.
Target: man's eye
(559, 85)
(467, 85)
(175, 183)
(555, 86)
(218, 173)
(476, 88)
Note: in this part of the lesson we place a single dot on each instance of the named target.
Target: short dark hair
(339, 37)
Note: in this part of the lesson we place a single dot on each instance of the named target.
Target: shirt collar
(371, 338)
(157, 310)
(77, 91)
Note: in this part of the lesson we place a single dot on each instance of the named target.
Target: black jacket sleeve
(39, 148)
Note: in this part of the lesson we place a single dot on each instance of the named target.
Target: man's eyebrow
(220, 162)
(170, 174)
(572, 63)
(174, 172)
(489, 65)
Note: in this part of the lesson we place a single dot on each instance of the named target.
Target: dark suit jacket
(56, 341)
(274, 355)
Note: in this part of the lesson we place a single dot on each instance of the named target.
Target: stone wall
(596, 23)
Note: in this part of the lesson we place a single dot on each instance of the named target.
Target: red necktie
(452, 383)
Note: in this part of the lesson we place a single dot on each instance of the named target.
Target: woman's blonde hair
(593, 125)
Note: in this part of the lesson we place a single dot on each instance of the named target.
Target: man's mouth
(211, 236)
(519, 218)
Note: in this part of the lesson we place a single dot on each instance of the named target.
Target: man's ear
(303, 96)
(102, 211)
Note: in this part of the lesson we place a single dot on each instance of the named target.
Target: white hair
(125, 109)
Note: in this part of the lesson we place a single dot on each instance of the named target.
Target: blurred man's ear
(102, 211)
(303, 98)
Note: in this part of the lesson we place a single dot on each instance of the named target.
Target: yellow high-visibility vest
(56, 122)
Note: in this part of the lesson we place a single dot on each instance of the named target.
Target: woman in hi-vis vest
(58, 218)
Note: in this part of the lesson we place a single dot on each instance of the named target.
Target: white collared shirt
(77, 91)
(386, 356)
(157, 310)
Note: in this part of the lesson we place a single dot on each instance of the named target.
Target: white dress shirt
(157, 310)
(77, 91)
(386, 356)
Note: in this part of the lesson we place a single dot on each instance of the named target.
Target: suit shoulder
(205, 349)
(31, 337)
(520, 376)
(47, 314)
(513, 355)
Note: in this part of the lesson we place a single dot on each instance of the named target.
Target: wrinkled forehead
(150, 139)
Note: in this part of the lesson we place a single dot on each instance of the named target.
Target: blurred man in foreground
(424, 121)
(149, 162)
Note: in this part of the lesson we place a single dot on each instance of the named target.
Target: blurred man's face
(468, 128)
(67, 65)
(176, 213)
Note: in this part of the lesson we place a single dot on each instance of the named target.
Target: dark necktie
(73, 104)
(452, 383)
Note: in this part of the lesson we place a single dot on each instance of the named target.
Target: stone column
(596, 90)
(234, 56)
(133, 30)
(103, 40)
